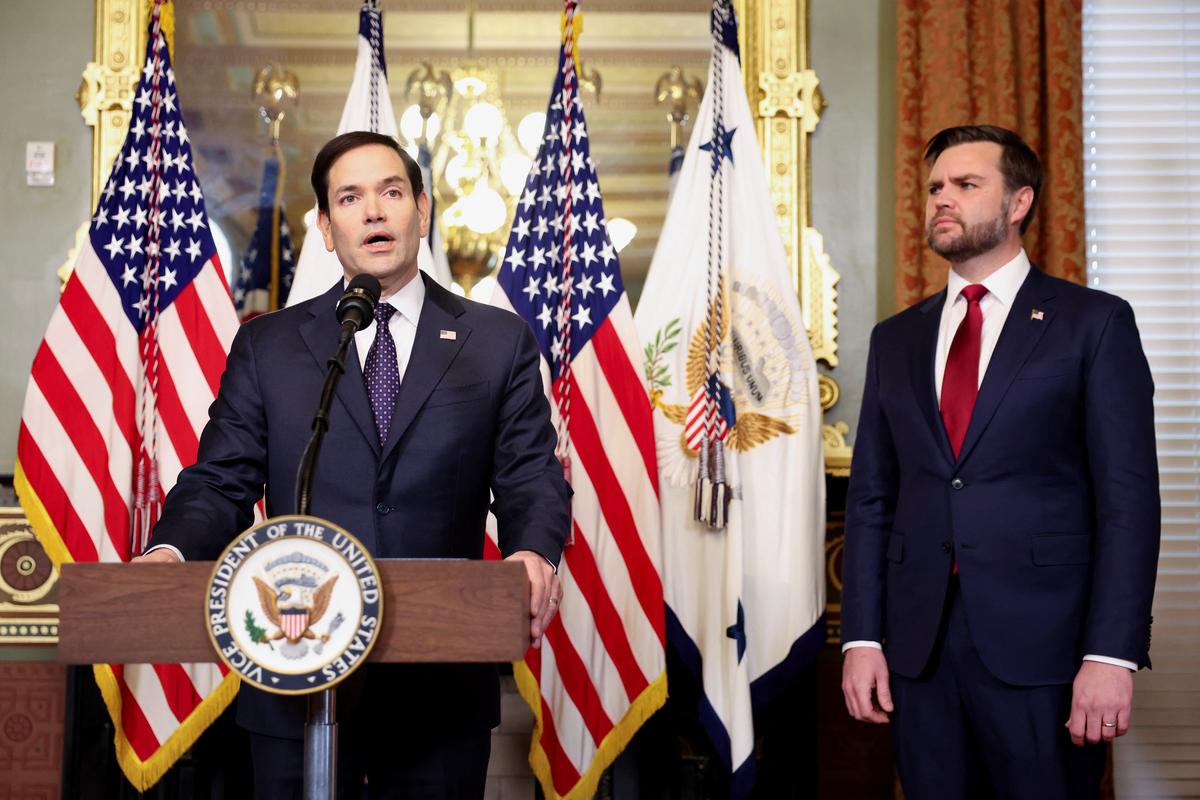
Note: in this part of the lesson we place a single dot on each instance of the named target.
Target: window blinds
(1141, 112)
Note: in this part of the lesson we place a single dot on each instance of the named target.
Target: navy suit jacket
(1051, 509)
(471, 416)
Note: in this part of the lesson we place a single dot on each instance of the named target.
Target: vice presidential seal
(293, 605)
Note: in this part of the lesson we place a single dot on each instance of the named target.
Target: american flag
(600, 672)
(262, 282)
(119, 392)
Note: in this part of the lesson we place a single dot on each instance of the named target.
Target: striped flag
(738, 424)
(262, 282)
(119, 392)
(368, 108)
(600, 672)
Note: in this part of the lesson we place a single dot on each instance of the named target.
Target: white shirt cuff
(169, 547)
(1116, 662)
(862, 643)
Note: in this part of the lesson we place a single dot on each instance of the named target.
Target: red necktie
(960, 382)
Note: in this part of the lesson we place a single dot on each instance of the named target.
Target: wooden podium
(455, 611)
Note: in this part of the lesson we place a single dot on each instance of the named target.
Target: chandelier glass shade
(457, 124)
(457, 127)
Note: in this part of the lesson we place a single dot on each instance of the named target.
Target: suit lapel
(924, 357)
(320, 333)
(1018, 338)
(432, 355)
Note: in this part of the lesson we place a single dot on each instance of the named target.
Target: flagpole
(273, 285)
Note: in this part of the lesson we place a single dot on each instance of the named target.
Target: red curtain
(1013, 63)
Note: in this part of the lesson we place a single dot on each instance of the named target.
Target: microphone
(355, 310)
(357, 306)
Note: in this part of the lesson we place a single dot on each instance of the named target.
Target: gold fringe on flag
(142, 774)
(641, 709)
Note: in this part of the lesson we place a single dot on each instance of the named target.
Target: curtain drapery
(1013, 63)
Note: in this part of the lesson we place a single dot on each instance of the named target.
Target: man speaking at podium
(442, 402)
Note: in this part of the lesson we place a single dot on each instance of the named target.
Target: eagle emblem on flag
(768, 390)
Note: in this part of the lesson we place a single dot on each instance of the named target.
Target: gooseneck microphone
(355, 311)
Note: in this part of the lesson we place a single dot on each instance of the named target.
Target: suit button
(947, 547)
(957, 483)
(383, 508)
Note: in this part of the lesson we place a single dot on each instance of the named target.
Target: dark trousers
(960, 732)
(413, 764)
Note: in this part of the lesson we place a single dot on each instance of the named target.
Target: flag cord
(147, 494)
(562, 393)
(376, 63)
(712, 493)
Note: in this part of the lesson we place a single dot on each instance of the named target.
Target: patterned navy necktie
(381, 371)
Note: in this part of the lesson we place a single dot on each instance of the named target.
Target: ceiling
(221, 44)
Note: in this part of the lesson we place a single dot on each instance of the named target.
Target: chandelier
(477, 164)
(456, 124)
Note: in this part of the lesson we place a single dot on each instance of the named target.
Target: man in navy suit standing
(442, 403)
(1002, 520)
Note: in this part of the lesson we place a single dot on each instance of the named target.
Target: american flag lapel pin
(1035, 314)
(452, 335)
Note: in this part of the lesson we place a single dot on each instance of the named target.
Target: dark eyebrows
(958, 180)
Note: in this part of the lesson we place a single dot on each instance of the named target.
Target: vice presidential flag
(738, 424)
(118, 394)
(368, 108)
(600, 672)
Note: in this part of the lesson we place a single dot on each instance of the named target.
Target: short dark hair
(1019, 165)
(338, 146)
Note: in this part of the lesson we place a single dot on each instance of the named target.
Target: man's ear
(423, 212)
(1022, 199)
(326, 229)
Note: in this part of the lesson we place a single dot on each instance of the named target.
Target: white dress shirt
(403, 324)
(1002, 286)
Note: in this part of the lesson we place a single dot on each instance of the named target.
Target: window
(1141, 111)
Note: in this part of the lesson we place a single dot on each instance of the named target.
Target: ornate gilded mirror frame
(784, 96)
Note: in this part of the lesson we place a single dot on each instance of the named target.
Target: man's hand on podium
(160, 556)
(545, 592)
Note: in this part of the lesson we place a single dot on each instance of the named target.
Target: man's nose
(372, 209)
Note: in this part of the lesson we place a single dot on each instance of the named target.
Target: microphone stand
(335, 368)
(320, 729)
